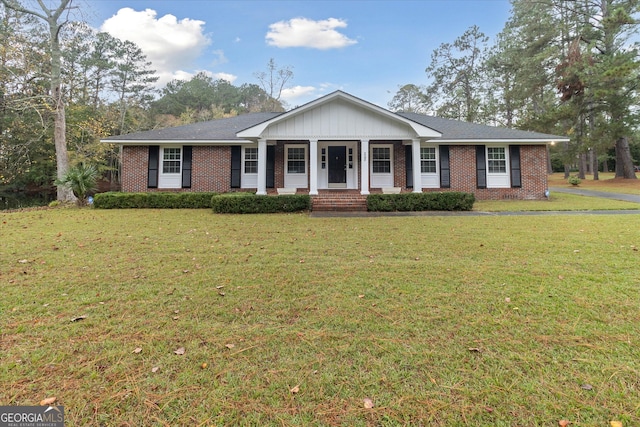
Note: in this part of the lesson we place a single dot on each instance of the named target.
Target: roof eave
(501, 140)
(177, 141)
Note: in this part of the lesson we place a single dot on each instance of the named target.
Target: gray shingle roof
(226, 129)
(213, 130)
(460, 131)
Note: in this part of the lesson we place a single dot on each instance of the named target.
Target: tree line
(568, 67)
(65, 85)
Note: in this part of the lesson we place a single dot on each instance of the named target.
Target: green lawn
(556, 202)
(478, 321)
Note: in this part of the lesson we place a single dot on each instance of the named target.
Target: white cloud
(291, 94)
(224, 76)
(170, 44)
(185, 75)
(303, 32)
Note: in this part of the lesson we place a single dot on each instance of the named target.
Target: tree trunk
(624, 162)
(594, 162)
(51, 16)
(582, 166)
(64, 194)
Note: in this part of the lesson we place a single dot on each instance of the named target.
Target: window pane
(428, 159)
(497, 160)
(171, 160)
(296, 160)
(250, 160)
(381, 160)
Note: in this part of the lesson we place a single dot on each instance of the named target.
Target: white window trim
(248, 180)
(501, 179)
(430, 179)
(378, 179)
(170, 180)
(296, 180)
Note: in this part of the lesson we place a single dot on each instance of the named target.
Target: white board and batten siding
(338, 120)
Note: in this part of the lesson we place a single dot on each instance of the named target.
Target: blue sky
(366, 48)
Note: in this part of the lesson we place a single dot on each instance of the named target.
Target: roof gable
(339, 116)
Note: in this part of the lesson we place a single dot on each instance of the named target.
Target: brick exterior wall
(211, 170)
(135, 165)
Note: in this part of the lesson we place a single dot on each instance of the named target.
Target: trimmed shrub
(157, 200)
(404, 202)
(248, 203)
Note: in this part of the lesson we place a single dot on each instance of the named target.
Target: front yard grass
(290, 320)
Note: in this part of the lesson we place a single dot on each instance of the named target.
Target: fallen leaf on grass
(77, 319)
(23, 261)
(368, 403)
(204, 366)
(475, 350)
(137, 350)
(179, 351)
(564, 423)
(586, 387)
(47, 401)
(616, 423)
(295, 390)
(155, 369)
(230, 346)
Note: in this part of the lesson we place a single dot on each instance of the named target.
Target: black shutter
(408, 161)
(514, 162)
(481, 166)
(154, 162)
(271, 166)
(445, 171)
(236, 166)
(187, 154)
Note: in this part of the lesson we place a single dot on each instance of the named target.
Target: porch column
(262, 167)
(364, 166)
(417, 172)
(313, 167)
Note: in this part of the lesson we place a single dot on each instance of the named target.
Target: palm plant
(82, 181)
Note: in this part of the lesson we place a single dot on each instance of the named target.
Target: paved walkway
(578, 191)
(590, 193)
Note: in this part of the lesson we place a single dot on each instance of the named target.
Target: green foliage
(405, 202)
(574, 180)
(243, 203)
(203, 98)
(156, 200)
(81, 179)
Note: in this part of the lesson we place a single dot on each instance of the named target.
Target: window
(428, 159)
(250, 160)
(381, 160)
(171, 160)
(296, 160)
(496, 160)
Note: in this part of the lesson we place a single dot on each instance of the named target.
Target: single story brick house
(334, 146)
